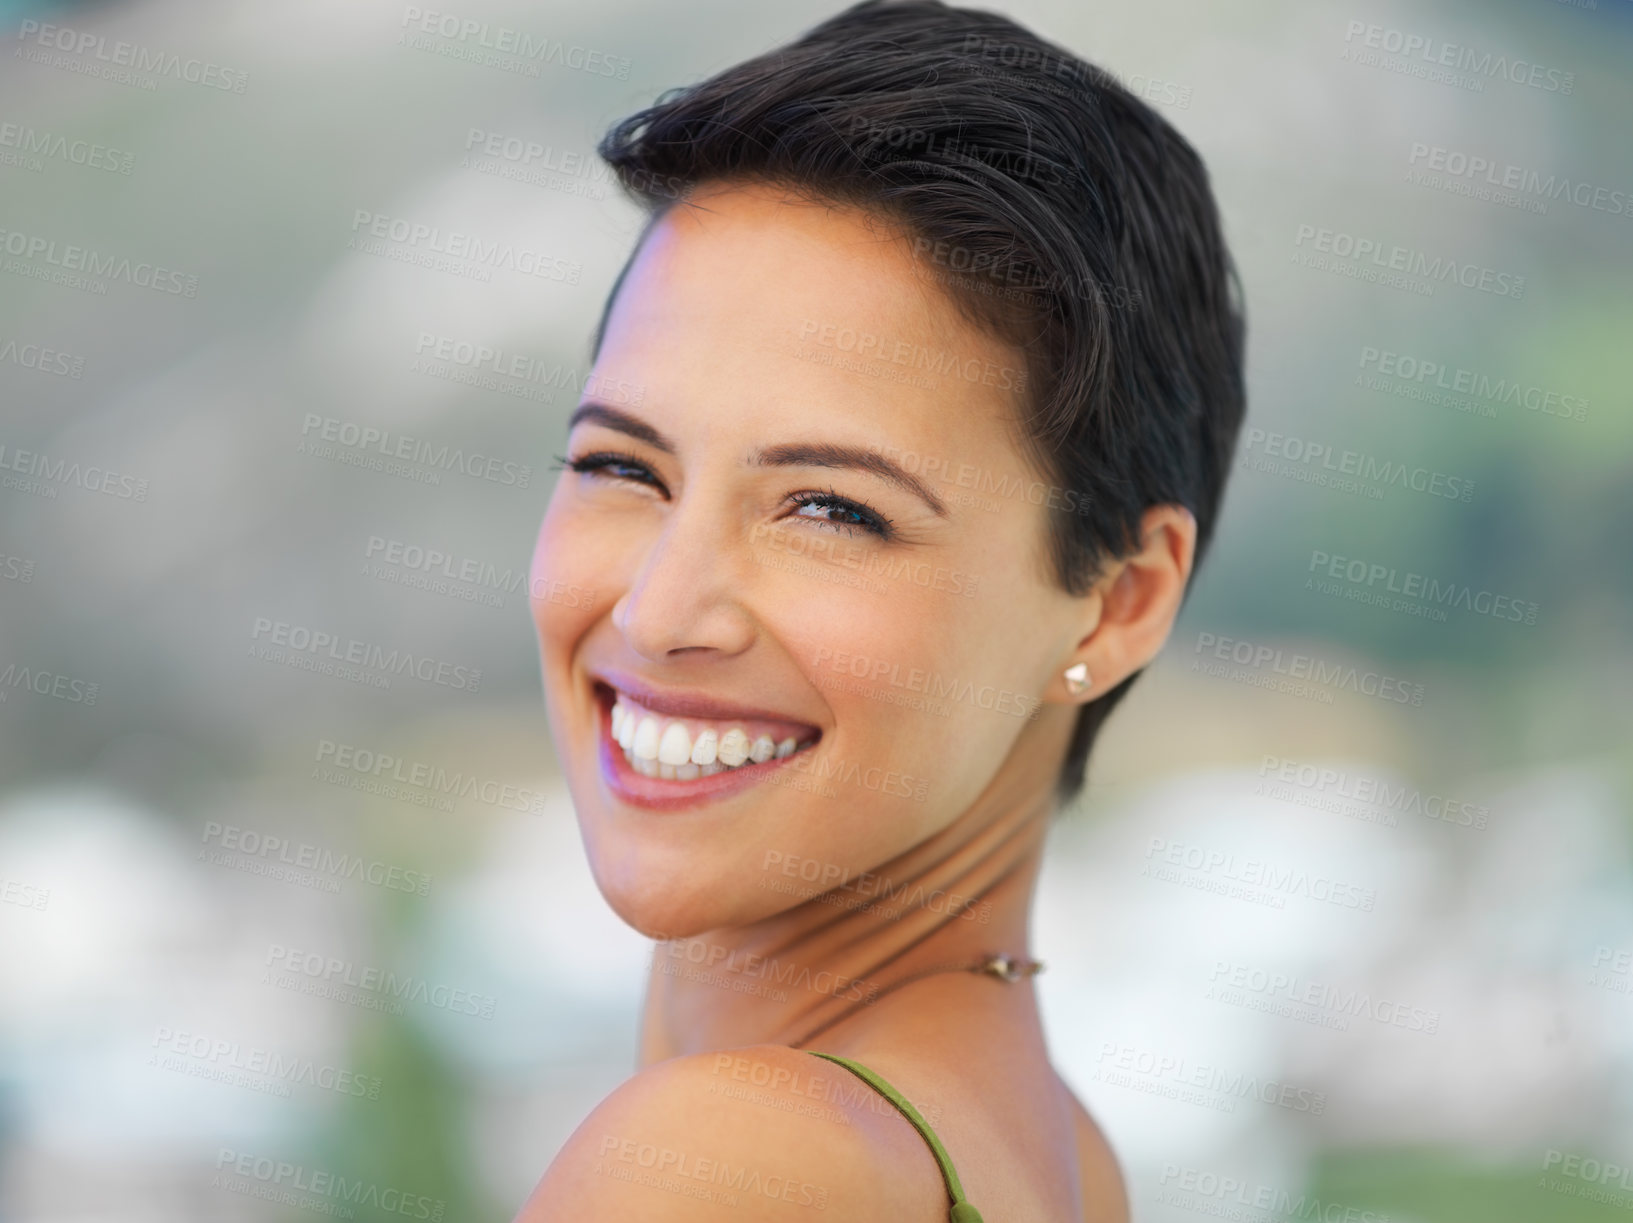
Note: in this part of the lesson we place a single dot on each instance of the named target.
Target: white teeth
(676, 745)
(646, 739)
(706, 747)
(662, 748)
(733, 747)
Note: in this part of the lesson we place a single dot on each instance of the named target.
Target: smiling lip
(657, 793)
(692, 704)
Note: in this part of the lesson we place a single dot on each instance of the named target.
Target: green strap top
(962, 1211)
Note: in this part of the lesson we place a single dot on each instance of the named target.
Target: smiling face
(795, 507)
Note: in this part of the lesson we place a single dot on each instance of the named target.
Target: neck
(952, 900)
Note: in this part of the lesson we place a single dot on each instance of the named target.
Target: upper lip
(678, 704)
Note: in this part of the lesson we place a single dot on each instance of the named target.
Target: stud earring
(1077, 678)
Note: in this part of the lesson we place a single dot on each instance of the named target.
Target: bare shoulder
(702, 1137)
(1105, 1195)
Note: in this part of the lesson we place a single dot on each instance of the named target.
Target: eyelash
(871, 520)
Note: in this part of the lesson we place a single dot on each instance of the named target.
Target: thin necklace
(1001, 965)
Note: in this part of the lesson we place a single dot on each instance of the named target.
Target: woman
(909, 419)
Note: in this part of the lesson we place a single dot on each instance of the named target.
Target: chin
(664, 918)
(663, 901)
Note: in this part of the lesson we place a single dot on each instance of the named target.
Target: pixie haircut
(1055, 209)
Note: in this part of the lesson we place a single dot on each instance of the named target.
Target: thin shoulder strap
(962, 1211)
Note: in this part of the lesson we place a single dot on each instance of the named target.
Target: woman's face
(802, 514)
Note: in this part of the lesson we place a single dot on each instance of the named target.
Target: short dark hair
(1080, 225)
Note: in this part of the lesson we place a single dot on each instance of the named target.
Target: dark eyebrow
(621, 422)
(829, 454)
(789, 454)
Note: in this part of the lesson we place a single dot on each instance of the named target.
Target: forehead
(750, 299)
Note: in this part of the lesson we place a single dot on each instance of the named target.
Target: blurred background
(1343, 925)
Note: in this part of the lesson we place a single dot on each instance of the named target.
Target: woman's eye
(841, 513)
(613, 466)
(827, 508)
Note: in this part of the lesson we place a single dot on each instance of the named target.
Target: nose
(685, 594)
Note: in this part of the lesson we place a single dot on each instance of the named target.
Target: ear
(1132, 607)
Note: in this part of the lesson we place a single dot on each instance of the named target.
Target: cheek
(566, 588)
(923, 703)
